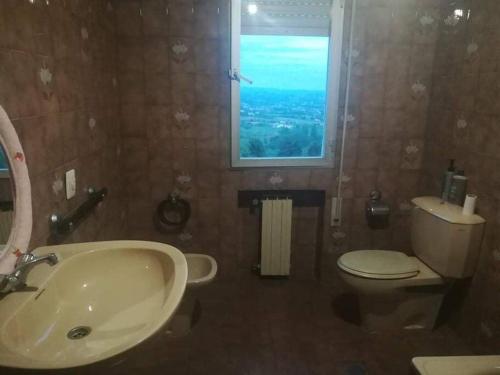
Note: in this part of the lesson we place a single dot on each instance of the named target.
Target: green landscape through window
(282, 113)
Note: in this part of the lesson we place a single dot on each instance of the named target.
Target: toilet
(202, 270)
(398, 291)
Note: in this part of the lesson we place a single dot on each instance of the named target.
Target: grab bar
(61, 226)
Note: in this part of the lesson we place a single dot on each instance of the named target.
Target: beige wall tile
(52, 118)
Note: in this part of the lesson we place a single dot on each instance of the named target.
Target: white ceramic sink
(458, 365)
(123, 291)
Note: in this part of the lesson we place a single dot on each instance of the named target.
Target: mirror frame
(22, 220)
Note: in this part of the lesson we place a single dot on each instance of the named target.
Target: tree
(314, 149)
(289, 146)
(256, 148)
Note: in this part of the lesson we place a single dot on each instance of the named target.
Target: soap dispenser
(447, 181)
(458, 188)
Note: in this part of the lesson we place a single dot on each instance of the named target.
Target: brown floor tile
(272, 327)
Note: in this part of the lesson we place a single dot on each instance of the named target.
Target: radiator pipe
(346, 114)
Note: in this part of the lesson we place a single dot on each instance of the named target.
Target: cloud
(285, 62)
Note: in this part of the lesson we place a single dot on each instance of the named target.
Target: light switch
(70, 184)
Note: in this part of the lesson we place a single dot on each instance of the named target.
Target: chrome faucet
(17, 279)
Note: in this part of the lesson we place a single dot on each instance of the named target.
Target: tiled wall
(165, 92)
(175, 107)
(57, 69)
(394, 44)
(464, 124)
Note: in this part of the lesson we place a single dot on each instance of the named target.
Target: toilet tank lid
(449, 212)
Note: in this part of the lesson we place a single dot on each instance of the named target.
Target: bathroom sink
(101, 299)
(458, 365)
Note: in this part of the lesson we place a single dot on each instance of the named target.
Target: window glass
(282, 113)
(283, 82)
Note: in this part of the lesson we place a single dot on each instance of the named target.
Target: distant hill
(281, 123)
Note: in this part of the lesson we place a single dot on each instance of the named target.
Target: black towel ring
(172, 214)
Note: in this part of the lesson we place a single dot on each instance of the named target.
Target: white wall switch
(70, 184)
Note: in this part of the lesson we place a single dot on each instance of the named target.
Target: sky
(285, 62)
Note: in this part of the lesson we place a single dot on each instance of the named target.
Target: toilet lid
(378, 264)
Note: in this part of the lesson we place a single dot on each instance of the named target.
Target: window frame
(332, 96)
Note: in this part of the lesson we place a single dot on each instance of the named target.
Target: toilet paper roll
(470, 204)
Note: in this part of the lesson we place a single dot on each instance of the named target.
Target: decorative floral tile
(275, 180)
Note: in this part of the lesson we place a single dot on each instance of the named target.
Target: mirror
(15, 197)
(6, 199)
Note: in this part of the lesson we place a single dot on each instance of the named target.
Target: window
(285, 68)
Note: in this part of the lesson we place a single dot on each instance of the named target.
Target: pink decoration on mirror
(19, 156)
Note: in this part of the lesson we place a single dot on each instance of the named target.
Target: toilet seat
(379, 264)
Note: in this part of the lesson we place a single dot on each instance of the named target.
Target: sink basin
(458, 365)
(101, 299)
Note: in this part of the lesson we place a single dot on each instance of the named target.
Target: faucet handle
(17, 279)
(26, 257)
(13, 283)
(10, 283)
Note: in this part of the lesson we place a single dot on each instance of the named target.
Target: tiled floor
(263, 327)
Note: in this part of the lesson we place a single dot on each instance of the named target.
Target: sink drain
(78, 332)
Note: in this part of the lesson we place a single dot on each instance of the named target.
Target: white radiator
(276, 237)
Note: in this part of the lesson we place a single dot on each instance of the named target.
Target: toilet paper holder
(377, 211)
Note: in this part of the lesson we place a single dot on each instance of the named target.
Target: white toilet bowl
(382, 271)
(398, 291)
(395, 291)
